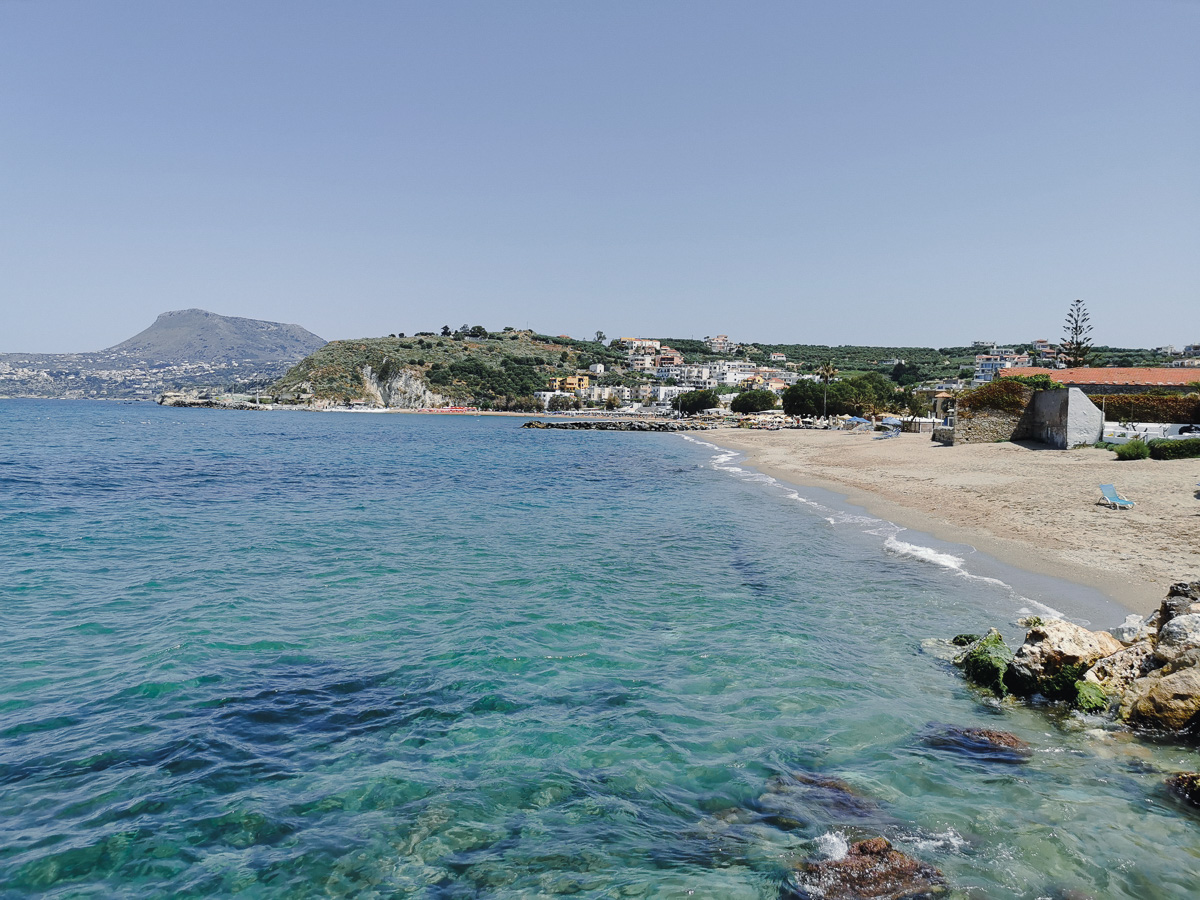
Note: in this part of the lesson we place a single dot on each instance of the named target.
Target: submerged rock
(986, 661)
(870, 870)
(979, 743)
(1054, 656)
(796, 800)
(1186, 785)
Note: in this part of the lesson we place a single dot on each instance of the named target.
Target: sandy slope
(1031, 507)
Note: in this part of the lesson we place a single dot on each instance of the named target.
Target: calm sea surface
(291, 655)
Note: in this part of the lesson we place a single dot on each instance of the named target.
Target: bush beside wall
(1174, 449)
(1150, 408)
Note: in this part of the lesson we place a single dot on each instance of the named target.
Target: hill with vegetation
(493, 370)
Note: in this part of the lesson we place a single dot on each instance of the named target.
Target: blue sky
(851, 171)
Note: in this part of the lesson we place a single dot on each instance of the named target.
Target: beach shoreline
(1030, 508)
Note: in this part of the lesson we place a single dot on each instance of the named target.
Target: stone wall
(1061, 419)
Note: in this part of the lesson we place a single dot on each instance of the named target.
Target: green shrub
(1003, 394)
(1172, 409)
(1162, 448)
(1039, 382)
(1135, 449)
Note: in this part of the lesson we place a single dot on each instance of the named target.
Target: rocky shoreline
(620, 425)
(1145, 673)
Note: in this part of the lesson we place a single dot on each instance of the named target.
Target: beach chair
(1113, 500)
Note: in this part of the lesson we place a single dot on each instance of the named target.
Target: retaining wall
(1061, 419)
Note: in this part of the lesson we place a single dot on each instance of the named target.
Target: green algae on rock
(986, 662)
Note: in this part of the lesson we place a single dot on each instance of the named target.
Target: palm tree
(827, 373)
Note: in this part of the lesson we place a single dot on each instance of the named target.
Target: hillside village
(521, 370)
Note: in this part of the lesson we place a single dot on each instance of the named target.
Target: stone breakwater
(623, 425)
(206, 402)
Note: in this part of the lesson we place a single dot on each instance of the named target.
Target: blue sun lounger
(1112, 499)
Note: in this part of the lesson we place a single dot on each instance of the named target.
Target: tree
(446, 331)
(696, 401)
(612, 402)
(600, 337)
(916, 404)
(478, 331)
(560, 403)
(1077, 347)
(826, 372)
(753, 401)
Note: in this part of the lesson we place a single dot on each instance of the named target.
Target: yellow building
(570, 383)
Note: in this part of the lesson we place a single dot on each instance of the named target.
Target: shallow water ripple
(282, 655)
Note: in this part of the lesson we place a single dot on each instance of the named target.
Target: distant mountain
(196, 335)
(186, 348)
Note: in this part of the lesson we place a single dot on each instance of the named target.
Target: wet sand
(1028, 506)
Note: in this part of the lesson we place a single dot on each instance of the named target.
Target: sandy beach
(1030, 507)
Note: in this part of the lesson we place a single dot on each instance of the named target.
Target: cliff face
(400, 390)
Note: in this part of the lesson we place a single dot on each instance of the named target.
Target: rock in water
(1167, 698)
(979, 743)
(799, 799)
(1186, 785)
(871, 870)
(1115, 673)
(1054, 656)
(986, 661)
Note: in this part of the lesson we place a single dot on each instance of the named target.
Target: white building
(988, 364)
(721, 344)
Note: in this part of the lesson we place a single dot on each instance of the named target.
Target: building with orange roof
(1115, 380)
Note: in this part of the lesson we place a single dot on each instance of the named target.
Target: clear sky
(923, 172)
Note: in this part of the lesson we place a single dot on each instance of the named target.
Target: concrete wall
(1065, 419)
(1060, 419)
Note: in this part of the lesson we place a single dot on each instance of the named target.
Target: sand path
(1030, 507)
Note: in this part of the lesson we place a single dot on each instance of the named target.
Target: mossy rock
(1061, 686)
(965, 640)
(1090, 697)
(986, 661)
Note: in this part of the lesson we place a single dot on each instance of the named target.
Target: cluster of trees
(515, 377)
(866, 394)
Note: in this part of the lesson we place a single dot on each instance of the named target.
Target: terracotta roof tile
(1133, 376)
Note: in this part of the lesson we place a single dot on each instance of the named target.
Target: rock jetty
(205, 401)
(1145, 673)
(620, 425)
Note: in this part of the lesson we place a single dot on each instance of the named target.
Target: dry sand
(1028, 506)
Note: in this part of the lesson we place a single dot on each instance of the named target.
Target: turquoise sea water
(291, 655)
